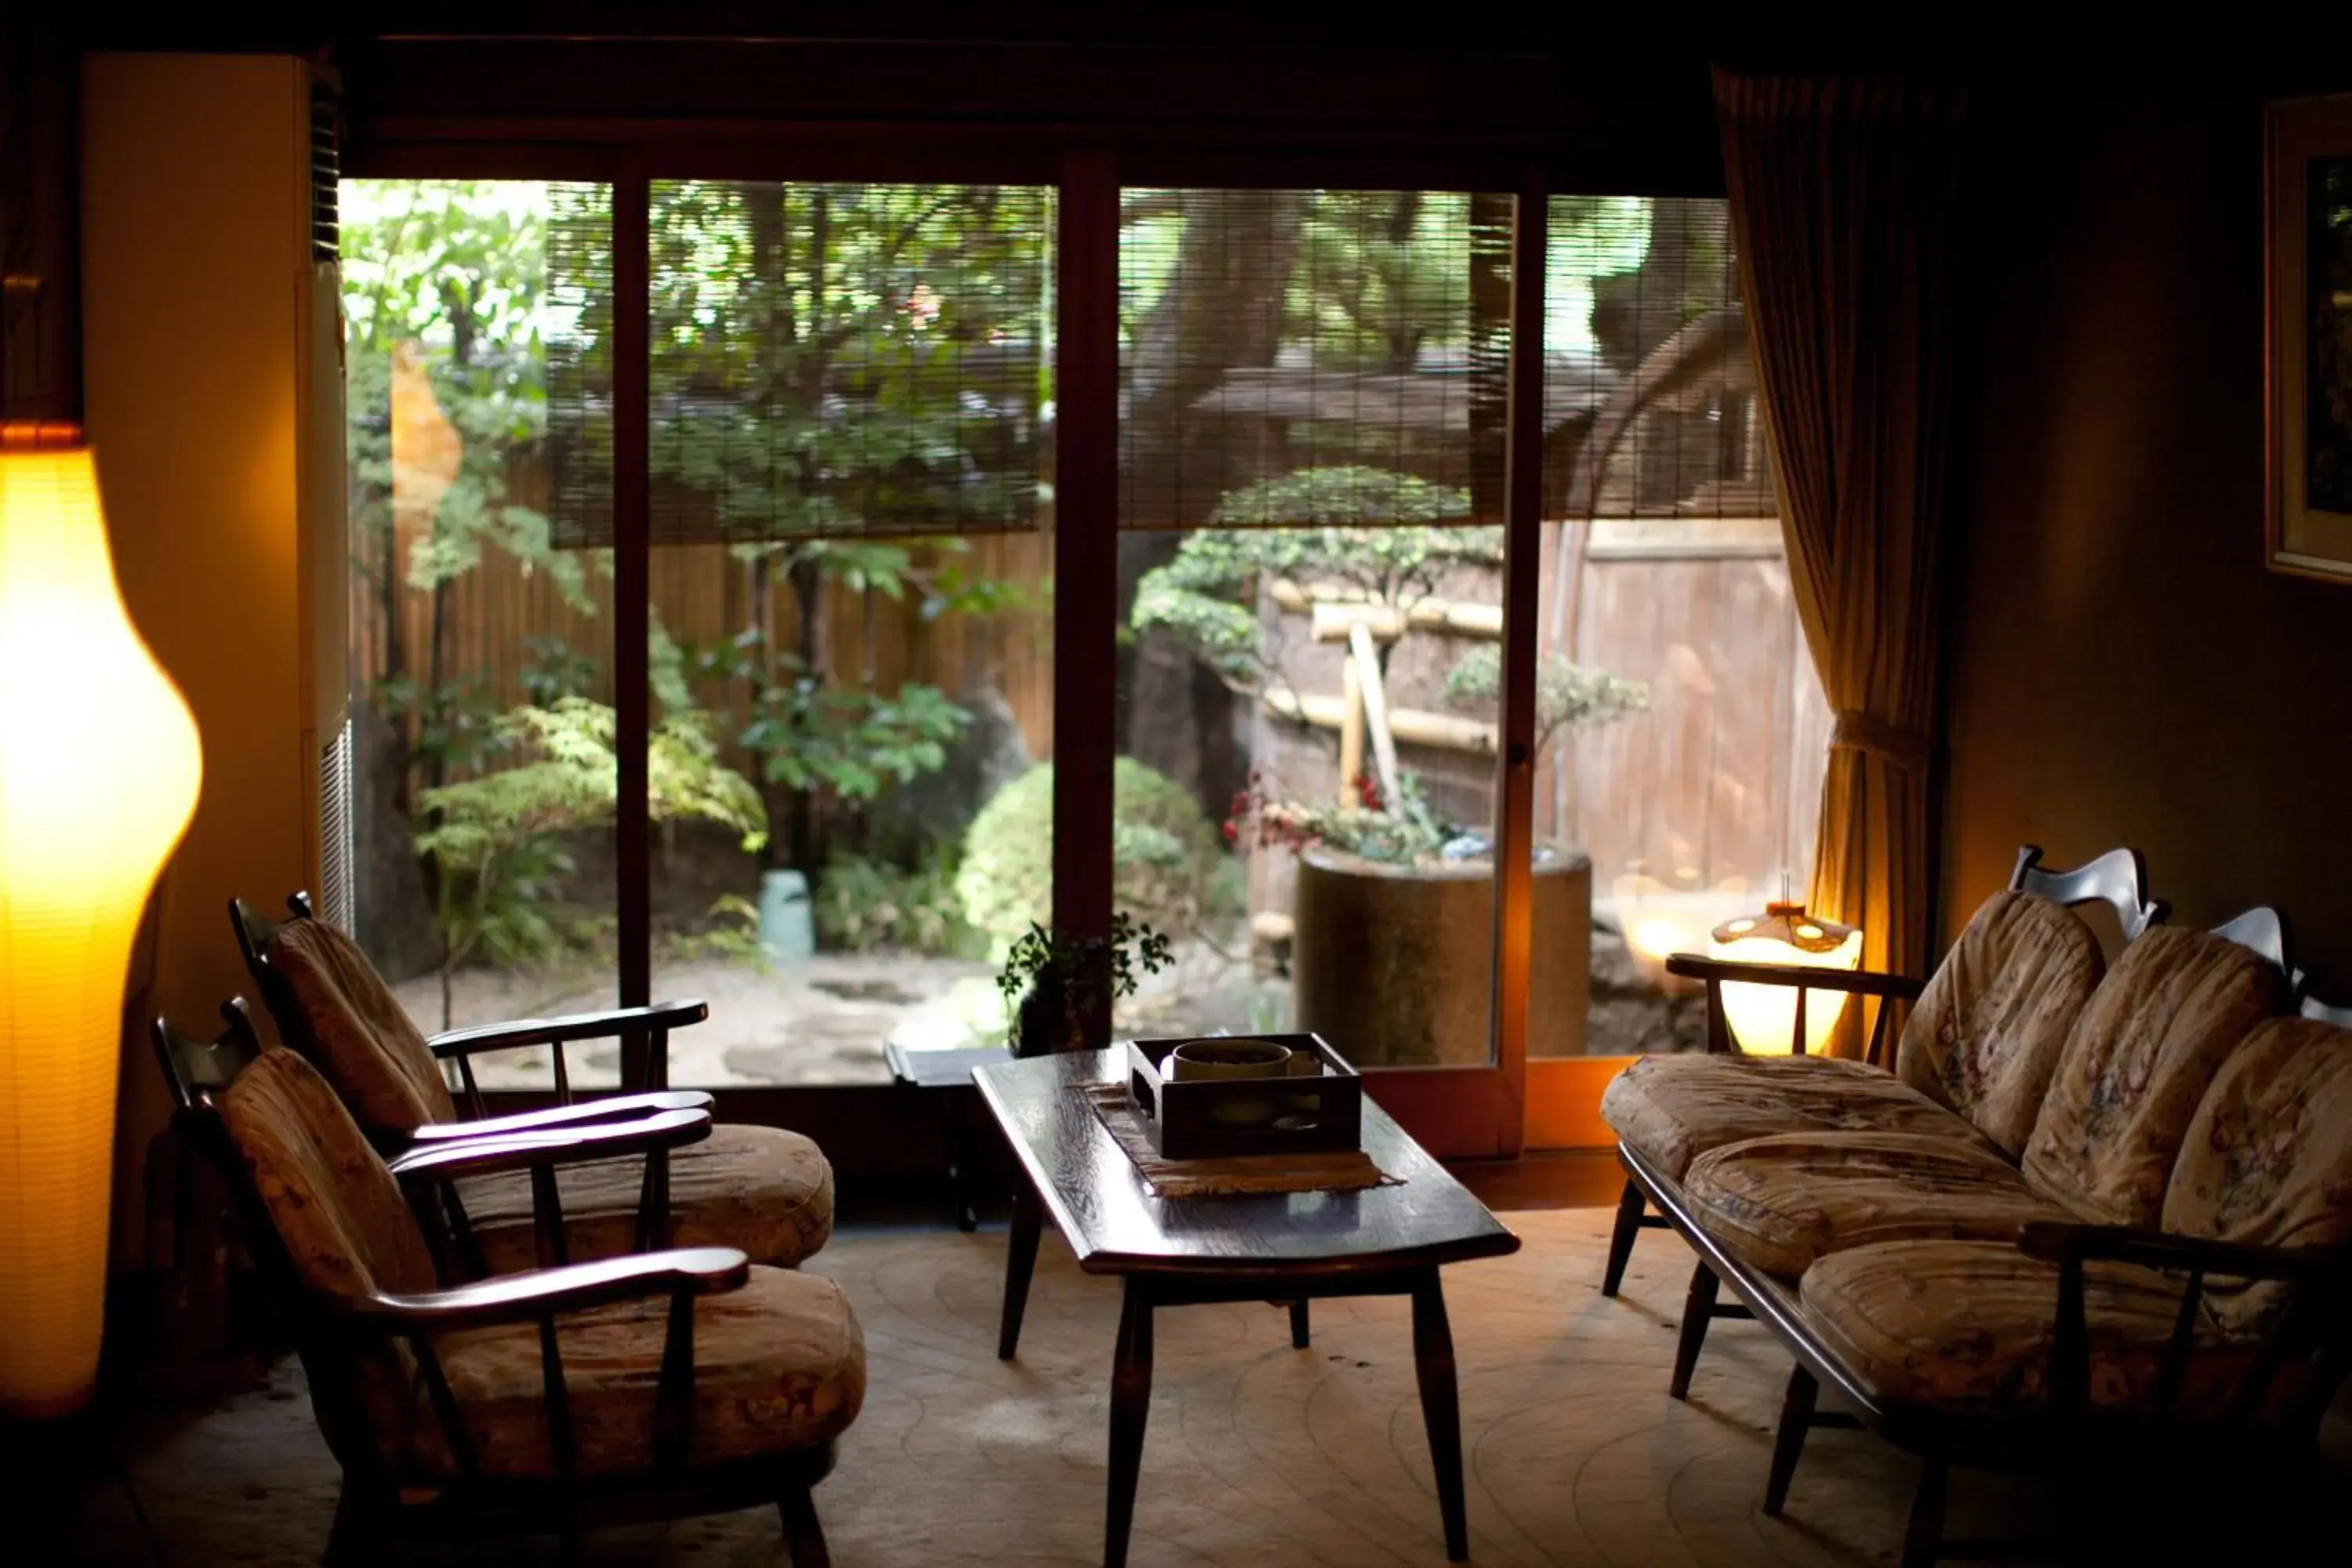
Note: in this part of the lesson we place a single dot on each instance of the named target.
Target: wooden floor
(1256, 1454)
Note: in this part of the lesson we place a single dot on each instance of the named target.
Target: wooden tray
(1182, 1119)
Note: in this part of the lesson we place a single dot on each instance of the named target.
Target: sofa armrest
(1859, 981)
(2316, 1274)
(461, 1043)
(2062, 1243)
(556, 1118)
(537, 1297)
(1717, 973)
(448, 1159)
(534, 1295)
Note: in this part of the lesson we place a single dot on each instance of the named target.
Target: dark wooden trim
(1085, 540)
(631, 607)
(1514, 768)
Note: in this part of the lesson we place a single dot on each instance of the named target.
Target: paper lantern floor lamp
(1763, 1019)
(99, 773)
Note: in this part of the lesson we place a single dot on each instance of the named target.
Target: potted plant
(1062, 987)
(1391, 920)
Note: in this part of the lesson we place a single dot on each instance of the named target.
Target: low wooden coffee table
(1175, 1252)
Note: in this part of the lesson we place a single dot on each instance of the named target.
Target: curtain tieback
(1859, 732)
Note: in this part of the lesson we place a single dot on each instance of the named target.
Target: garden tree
(500, 839)
(821, 372)
(838, 369)
(443, 284)
(1306, 527)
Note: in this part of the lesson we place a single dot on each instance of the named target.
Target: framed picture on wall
(2308, 154)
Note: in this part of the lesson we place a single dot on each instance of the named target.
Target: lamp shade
(99, 774)
(1763, 1019)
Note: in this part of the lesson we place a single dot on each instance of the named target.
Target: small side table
(946, 1070)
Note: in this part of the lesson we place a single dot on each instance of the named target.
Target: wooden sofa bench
(2162, 1258)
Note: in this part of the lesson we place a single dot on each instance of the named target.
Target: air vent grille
(326, 170)
(337, 845)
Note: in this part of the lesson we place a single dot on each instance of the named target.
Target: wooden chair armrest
(1859, 981)
(2063, 1243)
(532, 1295)
(445, 1160)
(461, 1043)
(587, 1113)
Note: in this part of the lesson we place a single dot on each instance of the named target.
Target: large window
(1313, 393)
(847, 556)
(481, 641)
(1681, 728)
(851, 463)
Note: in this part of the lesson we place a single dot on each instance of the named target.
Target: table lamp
(1763, 1019)
(99, 773)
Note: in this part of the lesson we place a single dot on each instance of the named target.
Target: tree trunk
(1221, 310)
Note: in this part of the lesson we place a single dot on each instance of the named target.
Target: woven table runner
(1342, 1171)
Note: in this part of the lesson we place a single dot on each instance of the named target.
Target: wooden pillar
(1522, 559)
(1085, 542)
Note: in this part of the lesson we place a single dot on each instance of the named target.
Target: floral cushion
(2135, 1064)
(779, 1365)
(1780, 1203)
(1671, 1108)
(1988, 1029)
(355, 1029)
(763, 1189)
(2269, 1158)
(1968, 1325)
(336, 1209)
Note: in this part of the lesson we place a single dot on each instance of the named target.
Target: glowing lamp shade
(99, 773)
(1764, 1017)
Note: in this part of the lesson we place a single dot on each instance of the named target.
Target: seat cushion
(2268, 1159)
(763, 1189)
(1780, 1203)
(1968, 1325)
(1988, 1031)
(779, 1365)
(2137, 1063)
(1671, 1108)
(354, 1030)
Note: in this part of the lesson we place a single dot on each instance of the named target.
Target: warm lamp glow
(98, 772)
(1764, 1017)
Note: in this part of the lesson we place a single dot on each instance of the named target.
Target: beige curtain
(1844, 196)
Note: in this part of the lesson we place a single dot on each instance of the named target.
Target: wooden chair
(522, 1403)
(2117, 879)
(764, 1189)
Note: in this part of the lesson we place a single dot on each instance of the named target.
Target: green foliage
(732, 933)
(872, 906)
(498, 839)
(1371, 532)
(452, 275)
(1396, 833)
(1568, 696)
(1164, 851)
(850, 355)
(1038, 952)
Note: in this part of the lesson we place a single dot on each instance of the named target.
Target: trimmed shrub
(1166, 854)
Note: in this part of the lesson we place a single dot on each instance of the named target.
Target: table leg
(1300, 1326)
(1019, 1262)
(1440, 1408)
(1130, 1405)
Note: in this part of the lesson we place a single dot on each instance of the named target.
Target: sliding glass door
(786, 591)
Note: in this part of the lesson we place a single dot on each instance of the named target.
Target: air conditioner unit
(325, 533)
